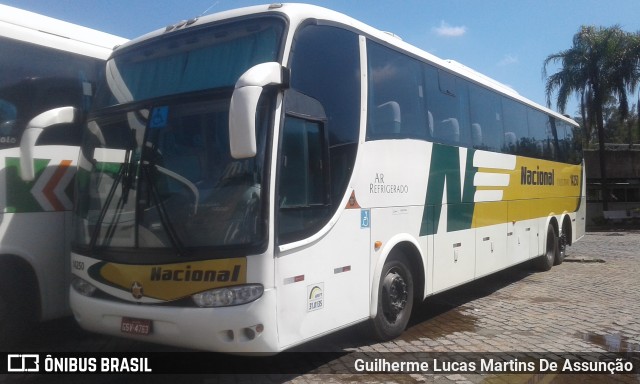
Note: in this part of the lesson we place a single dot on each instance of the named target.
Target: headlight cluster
(219, 297)
(82, 286)
(227, 296)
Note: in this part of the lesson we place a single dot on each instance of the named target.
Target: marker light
(82, 286)
(228, 296)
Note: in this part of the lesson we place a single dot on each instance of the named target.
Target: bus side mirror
(35, 127)
(244, 104)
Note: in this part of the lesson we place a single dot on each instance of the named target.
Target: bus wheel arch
(398, 286)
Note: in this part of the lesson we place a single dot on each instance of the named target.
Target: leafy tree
(621, 130)
(602, 63)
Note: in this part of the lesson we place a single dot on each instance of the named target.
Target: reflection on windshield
(155, 170)
(8, 116)
(164, 177)
(187, 62)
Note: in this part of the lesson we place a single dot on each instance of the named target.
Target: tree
(602, 63)
(620, 130)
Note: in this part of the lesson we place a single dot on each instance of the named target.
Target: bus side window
(516, 128)
(301, 168)
(538, 127)
(556, 136)
(303, 178)
(486, 119)
(448, 107)
(396, 96)
(54, 93)
(573, 144)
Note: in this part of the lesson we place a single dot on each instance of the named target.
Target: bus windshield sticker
(159, 117)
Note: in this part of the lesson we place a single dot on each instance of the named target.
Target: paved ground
(590, 303)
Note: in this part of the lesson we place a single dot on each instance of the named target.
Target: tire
(5, 322)
(546, 260)
(11, 329)
(562, 248)
(395, 299)
(15, 315)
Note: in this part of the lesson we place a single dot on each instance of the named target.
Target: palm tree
(597, 66)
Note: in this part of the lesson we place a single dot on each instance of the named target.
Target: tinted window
(516, 130)
(396, 95)
(486, 119)
(186, 62)
(537, 145)
(572, 144)
(302, 198)
(325, 66)
(34, 79)
(412, 99)
(301, 180)
(447, 107)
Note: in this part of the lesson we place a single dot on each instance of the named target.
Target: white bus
(257, 178)
(48, 71)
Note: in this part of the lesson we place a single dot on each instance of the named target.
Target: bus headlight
(82, 286)
(227, 296)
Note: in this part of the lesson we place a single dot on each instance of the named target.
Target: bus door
(322, 267)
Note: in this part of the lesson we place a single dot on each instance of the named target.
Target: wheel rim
(562, 245)
(394, 295)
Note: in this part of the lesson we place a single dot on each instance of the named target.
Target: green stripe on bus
(445, 167)
(19, 197)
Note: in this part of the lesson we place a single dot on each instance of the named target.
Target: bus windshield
(155, 169)
(192, 60)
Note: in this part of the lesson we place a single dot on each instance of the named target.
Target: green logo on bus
(446, 171)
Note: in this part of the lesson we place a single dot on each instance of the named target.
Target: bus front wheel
(395, 299)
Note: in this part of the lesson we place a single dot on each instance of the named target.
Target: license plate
(136, 326)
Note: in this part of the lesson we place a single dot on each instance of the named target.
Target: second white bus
(48, 72)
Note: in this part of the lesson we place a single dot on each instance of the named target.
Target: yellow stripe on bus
(175, 281)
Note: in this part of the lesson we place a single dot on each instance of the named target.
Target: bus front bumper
(247, 328)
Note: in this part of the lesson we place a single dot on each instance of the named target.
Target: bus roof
(298, 13)
(43, 30)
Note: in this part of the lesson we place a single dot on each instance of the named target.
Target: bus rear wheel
(395, 299)
(562, 248)
(546, 261)
(563, 241)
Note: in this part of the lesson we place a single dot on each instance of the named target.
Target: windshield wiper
(148, 168)
(103, 212)
(124, 172)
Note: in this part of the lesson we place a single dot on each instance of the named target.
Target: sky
(507, 40)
